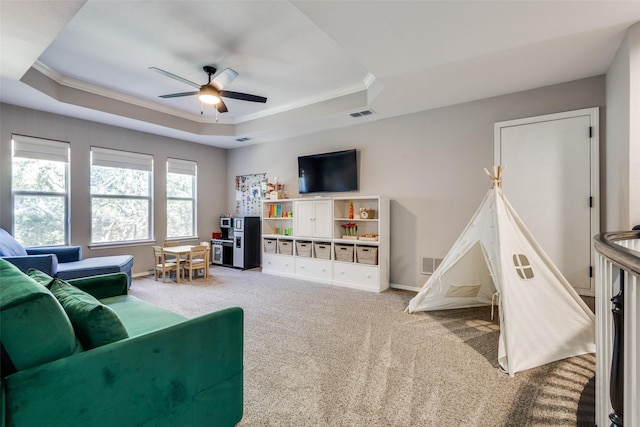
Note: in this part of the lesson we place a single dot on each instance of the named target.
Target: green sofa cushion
(43, 278)
(33, 326)
(95, 323)
(141, 317)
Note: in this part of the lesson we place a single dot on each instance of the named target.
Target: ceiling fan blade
(173, 76)
(243, 96)
(224, 78)
(177, 95)
(221, 107)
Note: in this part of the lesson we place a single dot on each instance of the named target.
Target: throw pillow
(43, 278)
(95, 323)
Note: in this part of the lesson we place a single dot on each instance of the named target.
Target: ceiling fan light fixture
(209, 95)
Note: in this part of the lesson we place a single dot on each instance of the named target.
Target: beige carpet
(319, 355)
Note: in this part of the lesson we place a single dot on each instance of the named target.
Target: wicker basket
(322, 250)
(367, 255)
(285, 247)
(344, 253)
(270, 246)
(303, 249)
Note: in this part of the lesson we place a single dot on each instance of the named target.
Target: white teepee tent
(496, 259)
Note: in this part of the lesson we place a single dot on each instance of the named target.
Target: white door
(551, 179)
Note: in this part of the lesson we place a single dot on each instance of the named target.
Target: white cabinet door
(313, 218)
(304, 218)
(323, 213)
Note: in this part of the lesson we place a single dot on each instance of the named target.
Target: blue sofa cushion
(95, 324)
(10, 246)
(64, 253)
(95, 266)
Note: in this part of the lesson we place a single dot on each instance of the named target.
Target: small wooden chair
(162, 265)
(197, 260)
(208, 259)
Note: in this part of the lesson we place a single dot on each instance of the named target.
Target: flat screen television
(328, 172)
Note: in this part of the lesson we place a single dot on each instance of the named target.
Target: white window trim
(185, 167)
(121, 159)
(30, 147)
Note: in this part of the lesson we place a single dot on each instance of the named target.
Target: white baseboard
(405, 287)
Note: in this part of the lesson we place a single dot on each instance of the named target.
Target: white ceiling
(315, 61)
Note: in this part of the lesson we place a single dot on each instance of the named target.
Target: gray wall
(212, 174)
(622, 154)
(430, 164)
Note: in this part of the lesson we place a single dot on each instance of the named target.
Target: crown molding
(119, 96)
(73, 83)
(366, 82)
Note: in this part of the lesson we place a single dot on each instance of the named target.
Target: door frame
(594, 115)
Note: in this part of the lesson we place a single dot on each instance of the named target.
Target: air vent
(362, 113)
(429, 265)
(243, 139)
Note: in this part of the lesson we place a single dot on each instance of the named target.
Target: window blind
(184, 167)
(40, 149)
(121, 159)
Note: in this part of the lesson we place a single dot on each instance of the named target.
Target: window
(523, 268)
(181, 198)
(121, 203)
(40, 190)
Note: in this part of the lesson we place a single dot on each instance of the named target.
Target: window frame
(29, 147)
(120, 159)
(183, 167)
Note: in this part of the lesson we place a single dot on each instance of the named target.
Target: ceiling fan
(212, 92)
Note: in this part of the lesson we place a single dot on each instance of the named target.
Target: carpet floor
(321, 355)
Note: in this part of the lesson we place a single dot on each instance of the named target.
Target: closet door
(551, 179)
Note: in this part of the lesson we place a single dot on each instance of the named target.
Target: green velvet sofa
(64, 366)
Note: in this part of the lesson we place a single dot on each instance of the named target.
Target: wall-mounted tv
(328, 172)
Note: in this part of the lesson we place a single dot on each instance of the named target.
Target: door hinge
(590, 131)
(590, 271)
(590, 201)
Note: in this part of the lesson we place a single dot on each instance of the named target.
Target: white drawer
(358, 276)
(315, 269)
(278, 264)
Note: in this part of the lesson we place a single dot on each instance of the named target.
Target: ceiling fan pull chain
(201, 108)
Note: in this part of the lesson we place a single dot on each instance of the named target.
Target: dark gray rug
(319, 355)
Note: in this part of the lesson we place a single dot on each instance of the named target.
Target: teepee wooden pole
(496, 178)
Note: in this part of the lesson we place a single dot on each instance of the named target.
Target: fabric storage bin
(367, 255)
(270, 246)
(322, 250)
(285, 247)
(303, 249)
(344, 253)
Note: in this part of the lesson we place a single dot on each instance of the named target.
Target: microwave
(226, 222)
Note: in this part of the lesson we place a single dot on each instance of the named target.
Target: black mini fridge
(246, 242)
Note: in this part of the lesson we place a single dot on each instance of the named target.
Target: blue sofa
(63, 262)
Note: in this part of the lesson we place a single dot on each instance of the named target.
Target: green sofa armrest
(189, 374)
(104, 285)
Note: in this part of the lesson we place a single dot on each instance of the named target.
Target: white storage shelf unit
(313, 243)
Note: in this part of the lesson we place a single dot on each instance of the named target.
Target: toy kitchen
(238, 243)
